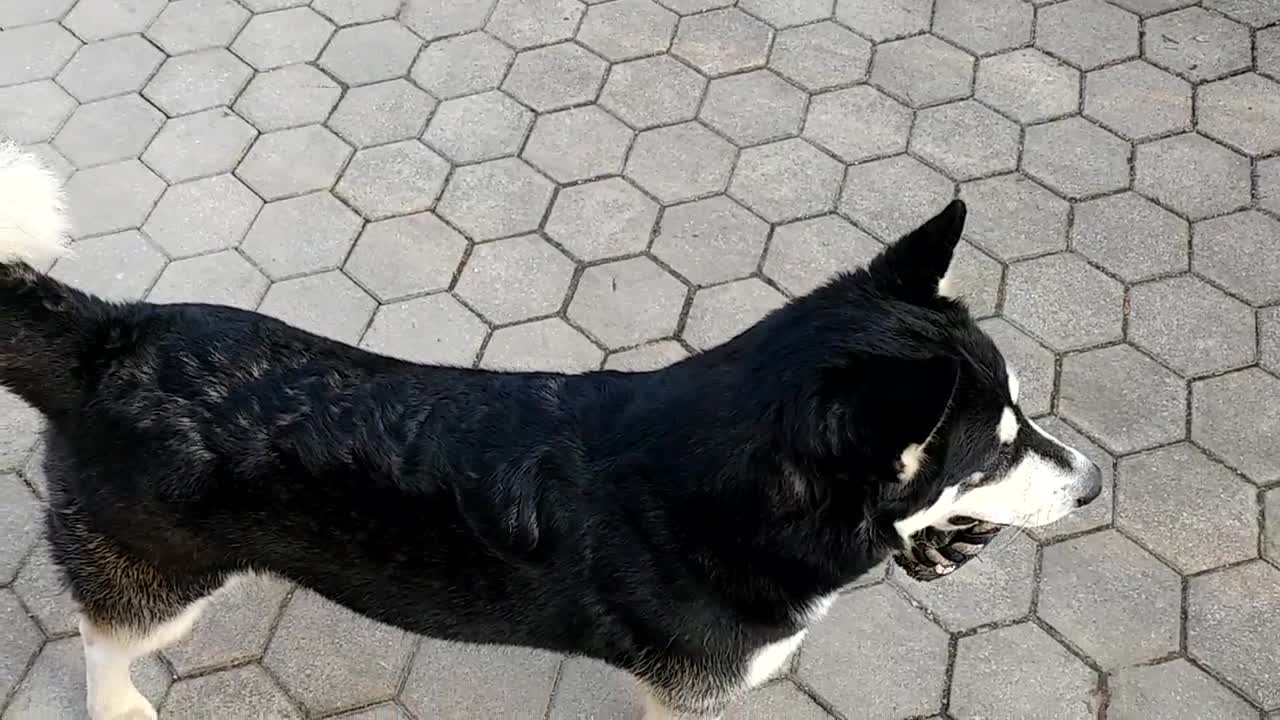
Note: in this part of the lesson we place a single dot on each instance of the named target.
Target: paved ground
(546, 183)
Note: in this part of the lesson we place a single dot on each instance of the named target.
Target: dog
(687, 525)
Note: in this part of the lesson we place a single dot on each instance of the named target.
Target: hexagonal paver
(547, 345)
(1020, 671)
(915, 186)
(479, 681)
(109, 198)
(301, 235)
(1123, 399)
(381, 711)
(602, 219)
(647, 357)
(222, 278)
(1268, 185)
(1028, 85)
(719, 313)
(680, 162)
(722, 41)
(434, 329)
(15, 15)
(627, 29)
(237, 692)
(1255, 13)
(34, 111)
(54, 685)
(285, 37)
(528, 23)
(1147, 8)
(22, 520)
(382, 113)
(786, 180)
(882, 122)
(288, 97)
(496, 199)
(1138, 100)
(922, 70)
(555, 77)
(1012, 217)
(787, 13)
(1130, 236)
(1232, 616)
(711, 240)
(327, 304)
(431, 19)
(983, 27)
(42, 588)
(1031, 362)
(1268, 50)
(627, 302)
(820, 56)
(1242, 111)
(202, 215)
(462, 65)
(199, 145)
(295, 161)
(653, 91)
(1229, 417)
(397, 179)
(265, 6)
(805, 254)
(198, 81)
(108, 130)
(109, 68)
(965, 140)
(53, 160)
(753, 107)
(578, 144)
(589, 688)
(478, 127)
(1174, 689)
(995, 588)
(1271, 537)
(1087, 33)
(1191, 326)
(114, 267)
(1076, 157)
(1269, 337)
(1239, 252)
(405, 256)
(1095, 514)
(875, 631)
(35, 52)
(976, 279)
(366, 54)
(1064, 301)
(516, 279)
(96, 20)
(1197, 44)
(190, 25)
(883, 20)
(1192, 174)
(234, 628)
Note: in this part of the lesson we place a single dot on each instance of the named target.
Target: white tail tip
(33, 218)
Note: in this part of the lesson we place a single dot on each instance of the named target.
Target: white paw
(124, 705)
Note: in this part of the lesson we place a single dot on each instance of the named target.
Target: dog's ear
(914, 267)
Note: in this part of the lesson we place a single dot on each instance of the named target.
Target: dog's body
(686, 524)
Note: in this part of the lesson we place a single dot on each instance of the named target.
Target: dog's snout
(1091, 487)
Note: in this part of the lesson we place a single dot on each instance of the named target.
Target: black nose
(1092, 486)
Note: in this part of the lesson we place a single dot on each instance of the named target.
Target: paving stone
(914, 186)
(114, 267)
(188, 25)
(1174, 689)
(965, 140)
(578, 144)
(1028, 85)
(1065, 302)
(786, 180)
(478, 127)
(820, 56)
(33, 112)
(496, 199)
(327, 304)
(455, 680)
(1230, 418)
(627, 29)
(1232, 617)
(54, 685)
(680, 162)
(788, 13)
(1241, 111)
(1197, 44)
(462, 65)
(222, 278)
(588, 688)
(301, 235)
(711, 240)
(293, 162)
(355, 12)
(382, 113)
(239, 692)
(234, 629)
(516, 279)
(111, 67)
(1267, 43)
(383, 711)
(753, 107)
(922, 71)
(432, 19)
(1192, 174)
(719, 313)
(17, 14)
(262, 6)
(1255, 13)
(1269, 332)
(1137, 100)
(883, 20)
(1087, 33)
(653, 91)
(202, 215)
(874, 631)
(688, 7)
(43, 591)
(110, 198)
(996, 587)
(370, 53)
(883, 124)
(602, 219)
(34, 52)
(285, 37)
(1076, 158)
(198, 81)
(529, 23)
(1130, 236)
(648, 357)
(94, 20)
(1123, 399)
(397, 179)
(976, 279)
(199, 145)
(405, 256)
(781, 699)
(288, 97)
(1239, 252)
(22, 519)
(983, 27)
(1095, 514)
(52, 160)
(1019, 672)
(1099, 587)
(627, 302)
(108, 131)
(1013, 217)
(1271, 531)
(805, 254)
(1030, 361)
(722, 42)
(434, 329)
(547, 345)
(1146, 8)
(1192, 326)
(555, 77)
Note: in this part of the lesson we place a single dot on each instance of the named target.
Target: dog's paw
(936, 553)
(125, 705)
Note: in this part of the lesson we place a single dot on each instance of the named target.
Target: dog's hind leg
(108, 652)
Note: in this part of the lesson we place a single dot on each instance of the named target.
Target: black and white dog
(687, 525)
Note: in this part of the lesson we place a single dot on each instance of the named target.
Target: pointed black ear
(913, 267)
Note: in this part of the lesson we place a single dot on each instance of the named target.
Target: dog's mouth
(936, 553)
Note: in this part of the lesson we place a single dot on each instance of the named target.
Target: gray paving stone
(1269, 332)
(649, 357)
(719, 313)
(461, 681)
(434, 329)
(1076, 158)
(1013, 217)
(688, 7)
(188, 25)
(805, 254)
(462, 65)
(788, 13)
(1146, 8)
(1065, 302)
(711, 240)
(874, 631)
(198, 81)
(1020, 672)
(199, 145)
(122, 266)
(34, 52)
(1197, 44)
(405, 256)
(202, 215)
(22, 519)
(515, 279)
(478, 127)
(753, 107)
(34, 111)
(548, 345)
(1232, 617)
(234, 629)
(627, 29)
(382, 113)
(496, 199)
(1271, 531)
(1130, 236)
(110, 67)
(922, 71)
(366, 54)
(1191, 326)
(1087, 33)
(1241, 111)
(820, 56)
(722, 42)
(883, 124)
(996, 587)
(431, 19)
(1103, 586)
(1031, 362)
(293, 162)
(284, 37)
(602, 219)
(529, 23)
(301, 235)
(1123, 399)
(781, 699)
(108, 131)
(965, 140)
(262, 6)
(110, 198)
(1174, 689)
(53, 160)
(555, 77)
(680, 162)
(17, 14)
(355, 12)
(786, 180)
(1097, 513)
(1267, 43)
(1028, 85)
(240, 692)
(94, 20)
(382, 711)
(1230, 417)
(578, 144)
(288, 97)
(983, 27)
(1192, 174)
(976, 279)
(1239, 252)
(883, 20)
(43, 591)
(914, 186)
(588, 689)
(327, 304)
(1255, 13)
(397, 179)
(222, 278)
(1137, 100)
(653, 91)
(627, 302)
(54, 686)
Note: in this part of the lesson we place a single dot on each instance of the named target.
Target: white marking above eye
(1008, 426)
